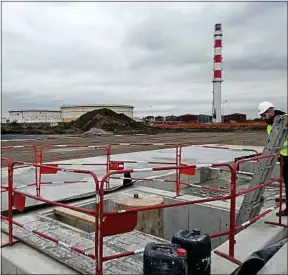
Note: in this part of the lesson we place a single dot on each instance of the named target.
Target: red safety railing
(8, 189)
(130, 215)
(231, 148)
(120, 164)
(43, 170)
(127, 219)
(34, 158)
(112, 223)
(17, 199)
(234, 194)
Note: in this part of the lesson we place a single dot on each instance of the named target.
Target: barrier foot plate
(277, 223)
(9, 244)
(228, 257)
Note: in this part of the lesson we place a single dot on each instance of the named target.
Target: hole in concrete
(164, 224)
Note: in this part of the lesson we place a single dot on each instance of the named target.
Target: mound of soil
(96, 132)
(111, 121)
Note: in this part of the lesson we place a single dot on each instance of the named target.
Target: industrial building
(52, 117)
(187, 118)
(235, 117)
(72, 112)
(66, 113)
(204, 118)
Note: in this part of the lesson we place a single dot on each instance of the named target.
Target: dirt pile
(111, 121)
(96, 132)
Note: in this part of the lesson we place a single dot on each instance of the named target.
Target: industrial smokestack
(217, 70)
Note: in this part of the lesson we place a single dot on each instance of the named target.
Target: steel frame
(12, 192)
(49, 146)
(34, 160)
(169, 145)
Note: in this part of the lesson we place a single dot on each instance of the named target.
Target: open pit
(78, 229)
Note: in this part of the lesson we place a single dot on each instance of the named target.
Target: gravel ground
(25, 154)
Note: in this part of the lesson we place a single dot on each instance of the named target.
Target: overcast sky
(143, 54)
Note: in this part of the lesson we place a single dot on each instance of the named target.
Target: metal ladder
(254, 200)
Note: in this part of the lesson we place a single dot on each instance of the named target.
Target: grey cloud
(69, 57)
(259, 63)
(252, 11)
(143, 54)
(169, 41)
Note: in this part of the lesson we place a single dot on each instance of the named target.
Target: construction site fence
(17, 200)
(41, 156)
(117, 222)
(111, 165)
(233, 194)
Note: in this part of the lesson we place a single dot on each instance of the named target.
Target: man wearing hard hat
(268, 112)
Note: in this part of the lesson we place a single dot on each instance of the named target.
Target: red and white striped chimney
(217, 70)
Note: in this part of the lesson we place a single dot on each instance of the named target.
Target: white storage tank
(73, 112)
(52, 117)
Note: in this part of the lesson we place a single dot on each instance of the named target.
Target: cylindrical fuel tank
(198, 249)
(150, 221)
(164, 259)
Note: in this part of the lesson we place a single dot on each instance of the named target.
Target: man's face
(268, 114)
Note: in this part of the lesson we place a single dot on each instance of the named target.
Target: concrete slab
(17, 259)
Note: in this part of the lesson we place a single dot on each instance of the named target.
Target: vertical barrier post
(35, 162)
(38, 163)
(10, 209)
(232, 211)
(108, 158)
(101, 221)
(9, 190)
(178, 163)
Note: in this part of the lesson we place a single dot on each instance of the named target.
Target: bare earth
(234, 138)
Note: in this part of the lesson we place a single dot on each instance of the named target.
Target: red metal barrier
(112, 223)
(129, 222)
(231, 148)
(120, 165)
(234, 194)
(34, 159)
(18, 199)
(8, 188)
(43, 170)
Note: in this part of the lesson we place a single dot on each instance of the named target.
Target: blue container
(198, 249)
(164, 259)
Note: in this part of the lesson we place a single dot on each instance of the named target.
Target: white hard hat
(264, 106)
